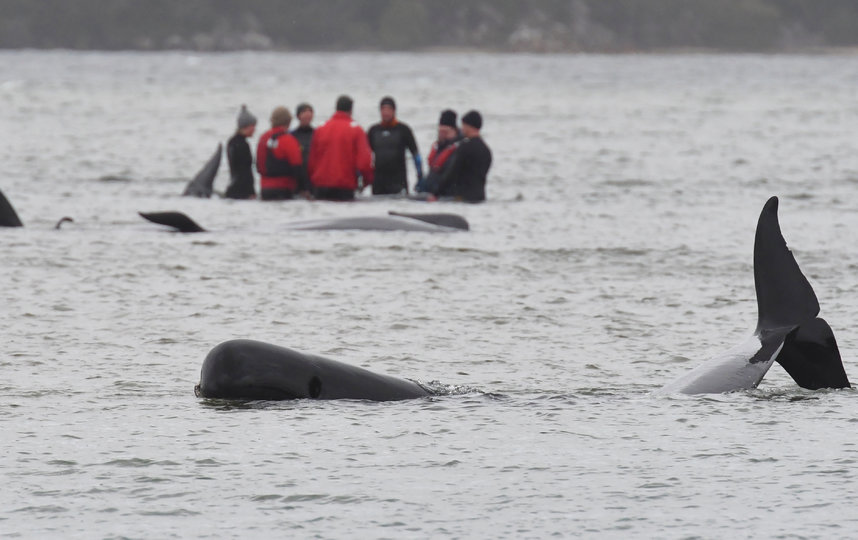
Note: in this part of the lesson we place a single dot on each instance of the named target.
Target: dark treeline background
(506, 25)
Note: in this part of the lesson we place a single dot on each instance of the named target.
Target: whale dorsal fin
(784, 296)
(811, 357)
(8, 216)
(202, 184)
(177, 220)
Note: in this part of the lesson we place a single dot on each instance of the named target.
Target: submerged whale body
(394, 221)
(788, 329)
(244, 369)
(202, 185)
(8, 216)
(438, 222)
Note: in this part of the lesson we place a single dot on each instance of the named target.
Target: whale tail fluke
(811, 357)
(202, 184)
(8, 216)
(177, 220)
(784, 296)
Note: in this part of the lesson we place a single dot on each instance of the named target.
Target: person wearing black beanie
(466, 176)
(389, 140)
(304, 132)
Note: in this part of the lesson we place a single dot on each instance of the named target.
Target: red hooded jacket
(284, 151)
(339, 150)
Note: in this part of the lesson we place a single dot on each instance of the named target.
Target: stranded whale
(246, 369)
(439, 222)
(788, 331)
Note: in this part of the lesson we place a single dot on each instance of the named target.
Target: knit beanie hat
(302, 107)
(387, 100)
(473, 119)
(448, 118)
(245, 119)
(280, 116)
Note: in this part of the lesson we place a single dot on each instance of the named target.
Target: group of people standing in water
(338, 159)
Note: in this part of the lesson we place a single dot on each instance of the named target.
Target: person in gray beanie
(241, 159)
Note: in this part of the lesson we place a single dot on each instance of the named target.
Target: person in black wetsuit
(240, 159)
(440, 155)
(388, 140)
(304, 132)
(470, 163)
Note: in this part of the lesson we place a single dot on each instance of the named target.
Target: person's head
(246, 122)
(387, 108)
(472, 122)
(345, 104)
(304, 114)
(280, 117)
(447, 125)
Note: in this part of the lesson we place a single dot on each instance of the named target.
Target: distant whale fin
(454, 221)
(62, 220)
(811, 357)
(177, 220)
(203, 183)
(8, 216)
(784, 296)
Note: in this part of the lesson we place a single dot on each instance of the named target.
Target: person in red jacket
(278, 160)
(339, 152)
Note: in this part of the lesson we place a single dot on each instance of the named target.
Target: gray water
(614, 254)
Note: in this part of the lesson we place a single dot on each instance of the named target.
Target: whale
(175, 220)
(8, 216)
(244, 369)
(788, 330)
(202, 185)
(394, 221)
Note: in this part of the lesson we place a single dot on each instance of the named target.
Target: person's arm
(363, 155)
(411, 144)
(260, 157)
(243, 157)
(293, 155)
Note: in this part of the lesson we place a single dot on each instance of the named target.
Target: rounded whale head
(247, 369)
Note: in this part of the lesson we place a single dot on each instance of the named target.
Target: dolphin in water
(394, 221)
(788, 329)
(253, 370)
(202, 185)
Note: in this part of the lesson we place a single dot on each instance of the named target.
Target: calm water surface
(614, 255)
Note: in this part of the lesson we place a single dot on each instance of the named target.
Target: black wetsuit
(240, 168)
(389, 143)
(435, 174)
(467, 173)
(305, 137)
